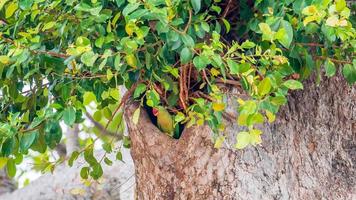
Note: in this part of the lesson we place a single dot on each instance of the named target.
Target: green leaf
(89, 58)
(8, 147)
(136, 115)
(48, 25)
(293, 84)
(108, 161)
(141, 88)
(119, 156)
(69, 116)
(97, 171)
(330, 68)
(287, 37)
(267, 33)
(243, 139)
(107, 147)
(248, 44)
(264, 86)
(53, 133)
(227, 25)
(249, 107)
(2, 3)
(27, 140)
(89, 156)
(196, 4)
(234, 67)
(84, 172)
(11, 168)
(117, 62)
(109, 74)
(200, 62)
(10, 10)
(72, 158)
(349, 72)
(88, 97)
(340, 5)
(185, 55)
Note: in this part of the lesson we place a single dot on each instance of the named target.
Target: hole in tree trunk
(178, 130)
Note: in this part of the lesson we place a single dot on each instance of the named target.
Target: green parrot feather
(165, 121)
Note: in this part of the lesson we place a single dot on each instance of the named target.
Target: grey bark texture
(308, 153)
(65, 183)
(72, 142)
(6, 184)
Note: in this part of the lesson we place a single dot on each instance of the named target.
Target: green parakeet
(164, 120)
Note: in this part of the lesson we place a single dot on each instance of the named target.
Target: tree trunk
(72, 142)
(308, 153)
(7, 185)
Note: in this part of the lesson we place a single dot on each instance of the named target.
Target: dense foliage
(60, 58)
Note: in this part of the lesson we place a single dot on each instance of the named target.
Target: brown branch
(53, 54)
(101, 127)
(205, 76)
(189, 75)
(332, 59)
(182, 88)
(227, 9)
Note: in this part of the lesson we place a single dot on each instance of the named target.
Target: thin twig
(181, 88)
(332, 59)
(102, 128)
(226, 11)
(189, 21)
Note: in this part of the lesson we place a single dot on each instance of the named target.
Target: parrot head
(155, 111)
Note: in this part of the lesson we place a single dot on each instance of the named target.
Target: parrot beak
(155, 112)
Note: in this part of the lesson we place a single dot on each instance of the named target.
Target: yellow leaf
(332, 21)
(4, 59)
(131, 60)
(218, 107)
(219, 142)
(136, 115)
(243, 139)
(200, 122)
(117, 16)
(271, 117)
(78, 191)
(109, 74)
(343, 22)
(3, 162)
(214, 72)
(10, 10)
(130, 28)
(255, 137)
(242, 120)
(48, 25)
(309, 19)
(240, 101)
(310, 10)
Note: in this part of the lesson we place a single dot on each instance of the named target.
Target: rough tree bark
(6, 184)
(308, 153)
(72, 142)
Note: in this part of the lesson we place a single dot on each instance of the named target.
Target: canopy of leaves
(57, 58)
